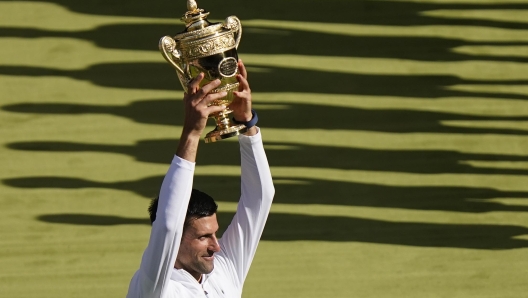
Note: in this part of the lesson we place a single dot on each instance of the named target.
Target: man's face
(198, 245)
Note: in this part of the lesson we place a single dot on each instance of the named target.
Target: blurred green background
(397, 132)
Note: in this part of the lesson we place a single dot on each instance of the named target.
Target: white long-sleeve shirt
(157, 276)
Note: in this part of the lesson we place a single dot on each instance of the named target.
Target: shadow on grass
(349, 229)
(368, 12)
(292, 115)
(160, 76)
(281, 41)
(92, 220)
(313, 191)
(298, 155)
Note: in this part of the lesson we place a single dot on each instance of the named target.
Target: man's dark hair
(200, 205)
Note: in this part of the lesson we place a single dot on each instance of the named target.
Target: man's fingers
(201, 93)
(240, 95)
(212, 97)
(244, 85)
(194, 84)
(210, 109)
(214, 109)
(242, 68)
(208, 88)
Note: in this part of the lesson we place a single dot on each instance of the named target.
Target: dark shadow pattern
(291, 115)
(160, 76)
(350, 229)
(92, 220)
(312, 191)
(280, 41)
(368, 12)
(297, 155)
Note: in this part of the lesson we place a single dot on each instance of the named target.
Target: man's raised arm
(160, 255)
(239, 241)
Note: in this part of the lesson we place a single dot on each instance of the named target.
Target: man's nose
(214, 246)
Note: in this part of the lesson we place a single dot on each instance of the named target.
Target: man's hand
(197, 110)
(241, 105)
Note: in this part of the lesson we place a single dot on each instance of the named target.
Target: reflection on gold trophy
(209, 48)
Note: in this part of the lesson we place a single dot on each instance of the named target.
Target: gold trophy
(209, 48)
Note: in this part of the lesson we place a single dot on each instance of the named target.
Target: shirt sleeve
(240, 240)
(165, 237)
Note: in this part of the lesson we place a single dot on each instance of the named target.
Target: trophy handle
(167, 46)
(233, 23)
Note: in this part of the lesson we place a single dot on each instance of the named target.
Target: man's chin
(207, 267)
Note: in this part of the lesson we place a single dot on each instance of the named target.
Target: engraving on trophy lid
(228, 67)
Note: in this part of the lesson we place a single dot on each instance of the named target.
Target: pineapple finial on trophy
(195, 18)
(191, 5)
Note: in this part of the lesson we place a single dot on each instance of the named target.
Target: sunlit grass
(505, 15)
(414, 145)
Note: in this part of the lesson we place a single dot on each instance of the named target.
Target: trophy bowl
(210, 48)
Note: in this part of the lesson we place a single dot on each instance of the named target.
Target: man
(184, 258)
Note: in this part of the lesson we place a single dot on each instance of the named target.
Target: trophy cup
(209, 48)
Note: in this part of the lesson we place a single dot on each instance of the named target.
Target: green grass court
(397, 132)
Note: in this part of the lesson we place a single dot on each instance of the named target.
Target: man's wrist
(251, 122)
(188, 146)
(190, 134)
(244, 118)
(251, 131)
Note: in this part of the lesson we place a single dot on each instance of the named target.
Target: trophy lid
(195, 18)
(201, 38)
(197, 26)
(196, 23)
